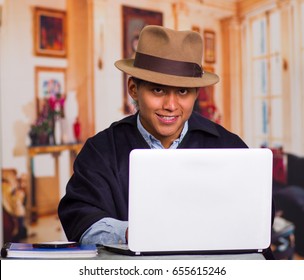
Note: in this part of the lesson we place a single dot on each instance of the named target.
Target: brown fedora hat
(168, 57)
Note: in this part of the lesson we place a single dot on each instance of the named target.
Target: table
(55, 151)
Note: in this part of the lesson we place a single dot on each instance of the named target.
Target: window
(266, 78)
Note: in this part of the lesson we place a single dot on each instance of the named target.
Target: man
(165, 76)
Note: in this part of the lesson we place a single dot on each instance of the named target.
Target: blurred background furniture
(288, 194)
(282, 239)
(55, 151)
(13, 205)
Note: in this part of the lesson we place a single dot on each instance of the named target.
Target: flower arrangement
(210, 112)
(206, 106)
(42, 131)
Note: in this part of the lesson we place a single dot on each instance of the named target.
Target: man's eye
(183, 91)
(158, 91)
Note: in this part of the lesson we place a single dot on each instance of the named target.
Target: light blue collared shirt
(155, 143)
(112, 231)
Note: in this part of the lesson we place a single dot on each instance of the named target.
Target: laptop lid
(199, 200)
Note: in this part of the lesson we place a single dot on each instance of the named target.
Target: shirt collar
(155, 143)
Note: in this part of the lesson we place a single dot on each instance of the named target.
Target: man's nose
(170, 101)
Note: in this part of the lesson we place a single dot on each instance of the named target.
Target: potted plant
(42, 131)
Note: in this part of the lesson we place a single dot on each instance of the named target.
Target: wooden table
(55, 152)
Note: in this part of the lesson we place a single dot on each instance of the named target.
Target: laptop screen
(200, 200)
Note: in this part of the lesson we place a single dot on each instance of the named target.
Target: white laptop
(199, 201)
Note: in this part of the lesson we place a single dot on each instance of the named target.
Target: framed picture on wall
(196, 28)
(209, 46)
(134, 20)
(49, 82)
(50, 32)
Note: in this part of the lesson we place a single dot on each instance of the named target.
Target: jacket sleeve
(93, 192)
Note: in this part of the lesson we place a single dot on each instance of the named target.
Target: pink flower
(52, 102)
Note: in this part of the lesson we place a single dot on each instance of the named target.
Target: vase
(57, 131)
(64, 131)
(51, 138)
(34, 138)
(43, 138)
(77, 130)
(71, 113)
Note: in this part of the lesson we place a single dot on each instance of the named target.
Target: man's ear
(132, 89)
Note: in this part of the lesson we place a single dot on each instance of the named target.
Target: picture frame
(196, 28)
(134, 19)
(50, 37)
(209, 46)
(48, 81)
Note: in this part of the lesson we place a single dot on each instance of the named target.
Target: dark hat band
(168, 66)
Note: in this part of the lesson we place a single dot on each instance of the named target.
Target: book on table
(48, 250)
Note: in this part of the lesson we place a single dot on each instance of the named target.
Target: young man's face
(163, 110)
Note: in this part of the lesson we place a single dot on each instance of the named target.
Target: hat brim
(126, 65)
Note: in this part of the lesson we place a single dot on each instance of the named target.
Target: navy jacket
(99, 186)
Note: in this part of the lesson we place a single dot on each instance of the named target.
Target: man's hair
(137, 81)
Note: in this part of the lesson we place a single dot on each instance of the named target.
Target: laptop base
(123, 249)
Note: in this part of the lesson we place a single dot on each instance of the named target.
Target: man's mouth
(167, 119)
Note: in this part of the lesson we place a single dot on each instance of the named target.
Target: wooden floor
(47, 228)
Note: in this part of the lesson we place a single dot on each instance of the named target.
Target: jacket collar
(196, 122)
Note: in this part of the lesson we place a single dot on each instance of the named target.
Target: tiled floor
(47, 228)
